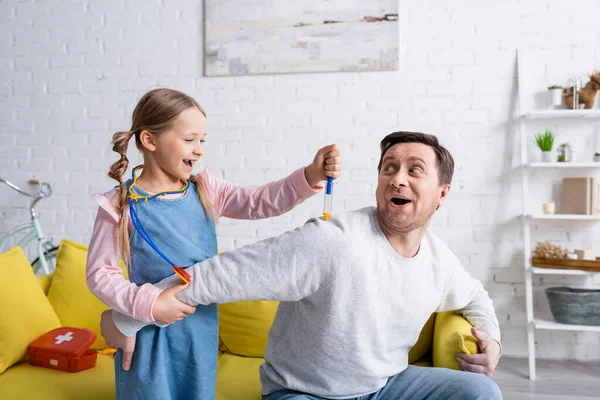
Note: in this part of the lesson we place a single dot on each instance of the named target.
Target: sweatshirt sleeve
(256, 202)
(104, 277)
(289, 267)
(466, 295)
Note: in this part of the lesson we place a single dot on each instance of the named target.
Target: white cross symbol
(64, 338)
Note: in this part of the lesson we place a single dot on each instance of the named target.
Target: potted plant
(596, 157)
(565, 154)
(545, 141)
(556, 95)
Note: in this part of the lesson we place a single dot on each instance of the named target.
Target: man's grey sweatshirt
(351, 307)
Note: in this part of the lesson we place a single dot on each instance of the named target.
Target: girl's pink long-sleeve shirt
(104, 276)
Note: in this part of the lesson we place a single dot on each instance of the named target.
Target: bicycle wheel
(50, 256)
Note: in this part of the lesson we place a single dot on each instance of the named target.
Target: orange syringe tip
(326, 216)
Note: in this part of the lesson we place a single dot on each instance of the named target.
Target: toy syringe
(328, 199)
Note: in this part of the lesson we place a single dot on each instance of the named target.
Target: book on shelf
(580, 196)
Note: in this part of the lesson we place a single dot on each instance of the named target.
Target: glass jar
(565, 153)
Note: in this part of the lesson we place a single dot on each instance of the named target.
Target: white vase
(547, 156)
(556, 96)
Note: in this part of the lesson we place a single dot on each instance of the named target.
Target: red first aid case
(66, 349)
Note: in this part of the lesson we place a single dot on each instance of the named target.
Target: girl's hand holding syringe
(327, 163)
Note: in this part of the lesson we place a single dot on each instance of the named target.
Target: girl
(166, 215)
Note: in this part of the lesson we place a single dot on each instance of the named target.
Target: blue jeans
(417, 383)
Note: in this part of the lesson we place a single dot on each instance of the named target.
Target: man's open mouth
(400, 201)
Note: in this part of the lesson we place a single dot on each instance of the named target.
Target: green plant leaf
(545, 140)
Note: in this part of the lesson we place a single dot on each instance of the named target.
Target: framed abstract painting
(247, 37)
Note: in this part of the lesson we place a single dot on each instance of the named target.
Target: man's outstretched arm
(288, 267)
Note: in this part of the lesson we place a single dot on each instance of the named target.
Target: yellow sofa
(243, 336)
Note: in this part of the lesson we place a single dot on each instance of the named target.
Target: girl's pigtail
(117, 170)
(203, 196)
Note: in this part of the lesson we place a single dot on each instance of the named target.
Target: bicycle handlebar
(45, 189)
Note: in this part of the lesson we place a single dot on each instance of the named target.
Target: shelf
(548, 114)
(563, 165)
(552, 271)
(542, 324)
(528, 66)
(564, 217)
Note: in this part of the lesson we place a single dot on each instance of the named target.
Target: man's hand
(484, 363)
(327, 162)
(168, 309)
(114, 338)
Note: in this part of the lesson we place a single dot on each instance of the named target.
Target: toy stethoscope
(137, 224)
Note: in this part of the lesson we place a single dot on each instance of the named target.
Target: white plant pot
(556, 96)
(547, 156)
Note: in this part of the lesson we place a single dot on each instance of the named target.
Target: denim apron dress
(180, 360)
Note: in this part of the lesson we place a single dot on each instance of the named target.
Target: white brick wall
(72, 72)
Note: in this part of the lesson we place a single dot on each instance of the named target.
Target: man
(356, 291)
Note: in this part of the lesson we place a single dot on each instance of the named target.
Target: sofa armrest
(451, 335)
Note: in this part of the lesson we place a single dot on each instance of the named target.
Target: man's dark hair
(444, 158)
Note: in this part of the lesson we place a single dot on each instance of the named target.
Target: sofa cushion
(452, 335)
(45, 281)
(424, 342)
(24, 381)
(244, 326)
(25, 313)
(73, 302)
(423, 362)
(238, 377)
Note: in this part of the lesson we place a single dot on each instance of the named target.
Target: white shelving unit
(551, 325)
(563, 165)
(562, 217)
(551, 114)
(551, 271)
(527, 115)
